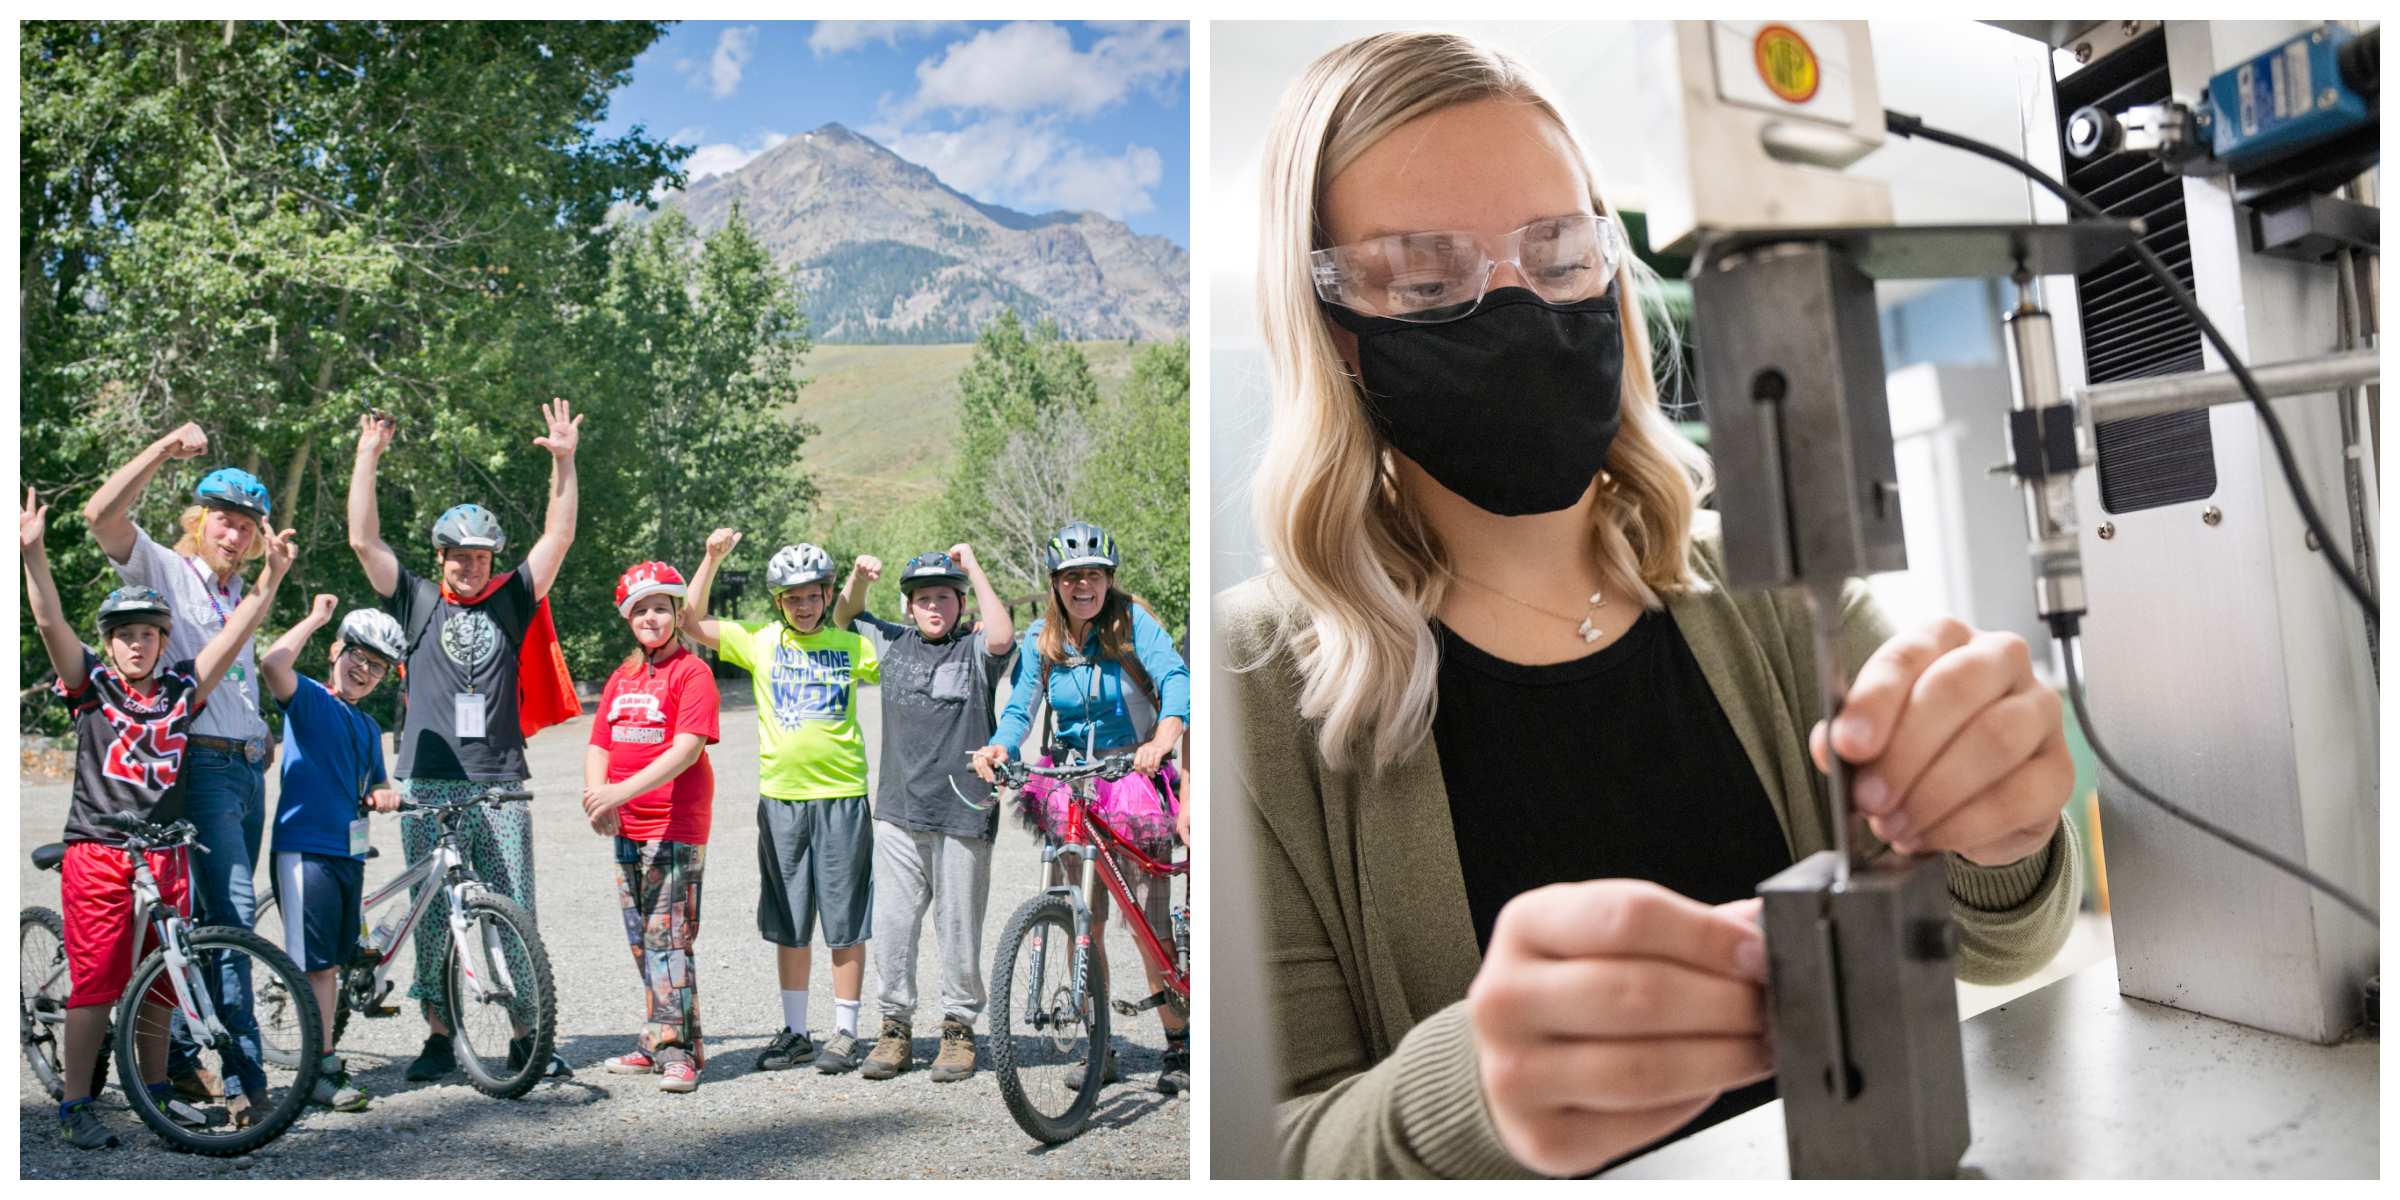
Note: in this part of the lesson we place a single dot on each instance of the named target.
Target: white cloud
(1034, 66)
(841, 37)
(724, 158)
(734, 48)
(1031, 165)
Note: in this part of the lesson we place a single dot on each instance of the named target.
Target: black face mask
(1512, 408)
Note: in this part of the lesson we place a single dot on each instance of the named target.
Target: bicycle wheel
(278, 1035)
(275, 1094)
(42, 986)
(1040, 1037)
(503, 1042)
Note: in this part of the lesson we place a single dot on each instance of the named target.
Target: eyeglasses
(1440, 275)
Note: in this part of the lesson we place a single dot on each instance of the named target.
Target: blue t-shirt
(332, 755)
(1105, 710)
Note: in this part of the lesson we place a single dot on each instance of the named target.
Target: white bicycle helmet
(375, 632)
(796, 565)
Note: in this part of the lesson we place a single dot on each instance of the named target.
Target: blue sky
(1034, 115)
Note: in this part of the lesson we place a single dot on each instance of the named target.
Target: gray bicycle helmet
(469, 527)
(928, 568)
(796, 565)
(136, 605)
(375, 632)
(1081, 544)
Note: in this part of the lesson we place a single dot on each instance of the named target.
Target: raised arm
(558, 525)
(58, 637)
(276, 663)
(998, 629)
(222, 649)
(853, 600)
(110, 509)
(696, 622)
(375, 432)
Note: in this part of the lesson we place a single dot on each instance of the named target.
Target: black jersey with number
(463, 648)
(128, 747)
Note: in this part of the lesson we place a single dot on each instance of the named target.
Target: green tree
(1025, 398)
(268, 227)
(1139, 478)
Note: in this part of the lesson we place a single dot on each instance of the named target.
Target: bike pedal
(379, 1010)
(1128, 1008)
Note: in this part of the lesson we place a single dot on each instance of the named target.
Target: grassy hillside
(885, 416)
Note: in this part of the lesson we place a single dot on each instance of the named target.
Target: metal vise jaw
(1864, 999)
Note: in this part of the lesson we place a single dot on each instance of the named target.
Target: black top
(457, 648)
(937, 709)
(1620, 765)
(128, 748)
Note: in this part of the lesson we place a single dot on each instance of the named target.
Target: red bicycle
(1049, 986)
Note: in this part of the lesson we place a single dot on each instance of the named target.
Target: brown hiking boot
(957, 1059)
(890, 1055)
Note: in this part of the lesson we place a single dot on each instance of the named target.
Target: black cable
(1909, 126)
(2091, 737)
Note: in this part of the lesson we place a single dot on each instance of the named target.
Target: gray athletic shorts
(816, 862)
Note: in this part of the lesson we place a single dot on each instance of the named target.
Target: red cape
(545, 691)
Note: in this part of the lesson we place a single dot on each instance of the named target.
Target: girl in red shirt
(646, 781)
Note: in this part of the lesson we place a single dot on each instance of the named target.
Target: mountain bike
(186, 974)
(496, 980)
(1050, 1008)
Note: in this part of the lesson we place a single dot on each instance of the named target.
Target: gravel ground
(741, 1123)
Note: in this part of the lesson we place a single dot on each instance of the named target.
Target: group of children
(828, 860)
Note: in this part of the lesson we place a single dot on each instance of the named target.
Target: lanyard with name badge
(211, 590)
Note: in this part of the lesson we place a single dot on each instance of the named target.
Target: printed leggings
(499, 847)
(658, 887)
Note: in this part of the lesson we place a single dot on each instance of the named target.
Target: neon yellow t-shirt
(810, 746)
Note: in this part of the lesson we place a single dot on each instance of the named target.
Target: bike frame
(485, 975)
(1085, 830)
(169, 927)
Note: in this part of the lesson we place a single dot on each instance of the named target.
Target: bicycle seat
(371, 852)
(47, 858)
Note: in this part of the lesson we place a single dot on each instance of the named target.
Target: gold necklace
(1584, 628)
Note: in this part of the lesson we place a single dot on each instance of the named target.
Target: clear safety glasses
(1440, 275)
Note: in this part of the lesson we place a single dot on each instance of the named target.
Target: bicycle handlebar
(491, 797)
(145, 835)
(1111, 768)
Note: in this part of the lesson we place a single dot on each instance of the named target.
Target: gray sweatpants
(955, 875)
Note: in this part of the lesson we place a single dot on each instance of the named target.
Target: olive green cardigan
(1369, 944)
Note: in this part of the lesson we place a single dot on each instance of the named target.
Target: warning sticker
(1785, 62)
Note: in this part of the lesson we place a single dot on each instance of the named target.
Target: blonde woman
(1516, 755)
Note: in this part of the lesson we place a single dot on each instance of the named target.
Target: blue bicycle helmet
(928, 568)
(236, 489)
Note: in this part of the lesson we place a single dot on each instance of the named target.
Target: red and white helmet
(647, 579)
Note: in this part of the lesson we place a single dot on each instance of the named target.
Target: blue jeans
(225, 798)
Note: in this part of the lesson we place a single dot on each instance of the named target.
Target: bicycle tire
(45, 1049)
(277, 1050)
(1053, 915)
(544, 997)
(293, 1099)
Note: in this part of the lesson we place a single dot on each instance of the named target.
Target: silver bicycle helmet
(796, 565)
(469, 527)
(375, 632)
(1081, 544)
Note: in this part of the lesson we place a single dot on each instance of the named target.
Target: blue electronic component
(2287, 99)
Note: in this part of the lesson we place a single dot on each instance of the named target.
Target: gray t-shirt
(937, 709)
(201, 610)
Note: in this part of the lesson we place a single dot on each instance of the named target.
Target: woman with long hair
(1113, 684)
(1516, 755)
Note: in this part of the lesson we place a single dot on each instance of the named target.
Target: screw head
(2327, 98)
(2083, 52)
(2130, 28)
(2309, 539)
(2212, 515)
(2108, 529)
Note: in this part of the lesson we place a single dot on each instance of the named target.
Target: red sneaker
(636, 1063)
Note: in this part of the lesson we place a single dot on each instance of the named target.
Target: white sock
(845, 1016)
(795, 1010)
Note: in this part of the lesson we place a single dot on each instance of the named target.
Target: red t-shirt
(642, 710)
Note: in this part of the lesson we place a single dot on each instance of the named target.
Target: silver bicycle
(496, 979)
(201, 973)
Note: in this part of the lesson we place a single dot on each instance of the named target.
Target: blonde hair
(1369, 572)
(192, 520)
